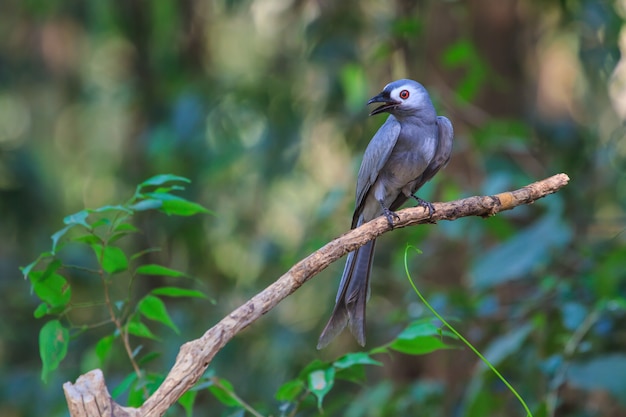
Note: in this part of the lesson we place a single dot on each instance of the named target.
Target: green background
(262, 105)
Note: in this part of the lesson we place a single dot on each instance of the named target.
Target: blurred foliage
(258, 103)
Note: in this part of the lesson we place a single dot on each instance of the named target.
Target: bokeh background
(261, 103)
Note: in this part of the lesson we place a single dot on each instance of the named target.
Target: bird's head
(401, 97)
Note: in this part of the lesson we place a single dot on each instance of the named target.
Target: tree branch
(195, 356)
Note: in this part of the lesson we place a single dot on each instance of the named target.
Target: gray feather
(407, 151)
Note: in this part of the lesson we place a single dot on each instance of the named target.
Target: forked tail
(351, 297)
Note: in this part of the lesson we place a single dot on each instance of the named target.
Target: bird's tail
(351, 297)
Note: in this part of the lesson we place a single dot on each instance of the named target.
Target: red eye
(404, 94)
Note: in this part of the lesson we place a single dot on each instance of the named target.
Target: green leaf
(148, 357)
(125, 227)
(224, 392)
(28, 268)
(419, 328)
(178, 292)
(41, 310)
(137, 328)
(187, 401)
(420, 345)
(506, 344)
(78, 218)
(521, 255)
(290, 390)
(58, 235)
(88, 239)
(136, 394)
(154, 269)
(144, 252)
(354, 374)
(111, 258)
(101, 222)
(53, 290)
(320, 383)
(53, 342)
(313, 366)
(118, 207)
(148, 204)
(604, 373)
(162, 179)
(103, 347)
(176, 205)
(153, 308)
(356, 358)
(125, 385)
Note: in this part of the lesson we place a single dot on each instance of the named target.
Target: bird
(407, 151)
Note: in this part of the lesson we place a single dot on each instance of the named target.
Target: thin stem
(297, 404)
(245, 405)
(569, 350)
(457, 334)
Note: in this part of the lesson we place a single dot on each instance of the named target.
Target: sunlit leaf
(79, 218)
(118, 207)
(320, 383)
(153, 308)
(58, 235)
(147, 204)
(53, 343)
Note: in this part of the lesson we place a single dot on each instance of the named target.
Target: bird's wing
(374, 159)
(442, 155)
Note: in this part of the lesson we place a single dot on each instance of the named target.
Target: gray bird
(406, 152)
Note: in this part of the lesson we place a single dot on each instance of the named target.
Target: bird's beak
(382, 98)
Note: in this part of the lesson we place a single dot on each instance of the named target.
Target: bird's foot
(390, 215)
(426, 204)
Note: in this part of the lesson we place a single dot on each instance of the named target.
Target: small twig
(552, 398)
(194, 356)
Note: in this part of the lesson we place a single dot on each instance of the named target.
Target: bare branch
(194, 356)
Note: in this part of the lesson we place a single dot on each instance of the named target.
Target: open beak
(382, 98)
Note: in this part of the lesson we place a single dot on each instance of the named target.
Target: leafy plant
(102, 231)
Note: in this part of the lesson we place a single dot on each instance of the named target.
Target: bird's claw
(390, 215)
(426, 204)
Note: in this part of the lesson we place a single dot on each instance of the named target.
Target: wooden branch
(195, 356)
